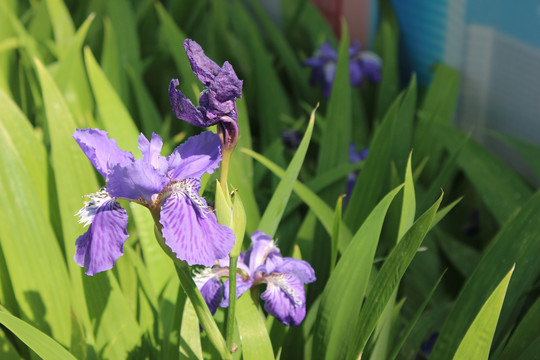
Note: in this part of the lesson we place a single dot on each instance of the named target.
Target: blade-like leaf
(323, 212)
(477, 341)
(517, 242)
(40, 343)
(505, 192)
(113, 114)
(388, 279)
(256, 344)
(339, 304)
(33, 257)
(274, 211)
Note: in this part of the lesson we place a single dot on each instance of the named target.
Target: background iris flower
(362, 64)
(168, 186)
(284, 277)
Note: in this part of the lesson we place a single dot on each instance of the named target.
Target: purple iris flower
(217, 102)
(362, 64)
(354, 157)
(168, 186)
(284, 277)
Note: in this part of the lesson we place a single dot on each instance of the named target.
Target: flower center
(91, 206)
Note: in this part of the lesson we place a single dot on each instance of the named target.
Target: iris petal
(300, 268)
(285, 298)
(203, 67)
(263, 245)
(210, 286)
(183, 107)
(136, 180)
(198, 155)
(194, 233)
(151, 151)
(103, 152)
(102, 244)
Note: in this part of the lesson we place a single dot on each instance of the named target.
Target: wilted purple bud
(217, 102)
(361, 64)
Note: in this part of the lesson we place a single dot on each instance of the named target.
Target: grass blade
(274, 211)
(477, 341)
(40, 343)
(388, 279)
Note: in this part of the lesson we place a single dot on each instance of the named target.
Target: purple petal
(285, 298)
(355, 156)
(300, 268)
(102, 244)
(355, 73)
(263, 245)
(192, 232)
(183, 107)
(203, 67)
(372, 66)
(103, 152)
(136, 180)
(242, 285)
(198, 155)
(210, 286)
(327, 51)
(355, 48)
(151, 151)
(226, 84)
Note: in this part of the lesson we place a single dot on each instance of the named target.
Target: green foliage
(380, 293)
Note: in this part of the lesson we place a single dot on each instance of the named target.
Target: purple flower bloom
(284, 277)
(361, 64)
(168, 186)
(217, 102)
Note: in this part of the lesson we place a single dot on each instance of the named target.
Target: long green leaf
(63, 27)
(323, 212)
(477, 341)
(369, 184)
(413, 321)
(525, 334)
(334, 148)
(339, 308)
(174, 38)
(388, 279)
(73, 176)
(36, 340)
(256, 344)
(33, 257)
(274, 211)
(517, 242)
(112, 112)
(505, 192)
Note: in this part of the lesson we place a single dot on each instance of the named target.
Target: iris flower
(284, 277)
(217, 102)
(362, 64)
(168, 186)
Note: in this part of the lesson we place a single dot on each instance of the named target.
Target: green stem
(232, 302)
(225, 162)
(203, 313)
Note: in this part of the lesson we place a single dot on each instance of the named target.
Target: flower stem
(201, 309)
(232, 302)
(225, 162)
